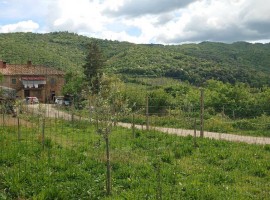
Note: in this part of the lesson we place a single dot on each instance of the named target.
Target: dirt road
(212, 135)
(8, 120)
(50, 111)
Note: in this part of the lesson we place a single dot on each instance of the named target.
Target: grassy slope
(72, 165)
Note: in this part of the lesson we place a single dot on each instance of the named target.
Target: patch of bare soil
(8, 120)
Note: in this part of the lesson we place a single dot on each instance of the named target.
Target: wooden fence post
(159, 181)
(202, 113)
(109, 178)
(195, 133)
(147, 113)
(19, 129)
(55, 122)
(133, 125)
(43, 133)
(3, 118)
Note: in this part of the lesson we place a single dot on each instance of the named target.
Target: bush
(217, 124)
(244, 125)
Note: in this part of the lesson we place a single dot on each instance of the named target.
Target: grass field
(70, 164)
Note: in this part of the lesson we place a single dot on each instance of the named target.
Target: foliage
(218, 124)
(234, 76)
(107, 105)
(228, 108)
(195, 63)
(151, 164)
(158, 101)
(73, 84)
(93, 66)
(109, 102)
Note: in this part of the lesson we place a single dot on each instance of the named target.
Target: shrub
(244, 125)
(217, 124)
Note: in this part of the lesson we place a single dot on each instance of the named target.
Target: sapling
(108, 105)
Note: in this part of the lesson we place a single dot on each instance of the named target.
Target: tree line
(195, 63)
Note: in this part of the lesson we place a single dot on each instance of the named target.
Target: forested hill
(237, 62)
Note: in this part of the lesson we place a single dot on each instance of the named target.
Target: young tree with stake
(108, 105)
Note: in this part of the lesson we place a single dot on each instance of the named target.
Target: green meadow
(66, 160)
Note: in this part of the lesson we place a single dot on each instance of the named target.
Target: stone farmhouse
(32, 81)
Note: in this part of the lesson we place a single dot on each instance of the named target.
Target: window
(14, 81)
(53, 81)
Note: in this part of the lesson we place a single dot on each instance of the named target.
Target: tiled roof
(29, 70)
(33, 78)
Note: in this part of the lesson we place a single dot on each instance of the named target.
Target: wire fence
(56, 152)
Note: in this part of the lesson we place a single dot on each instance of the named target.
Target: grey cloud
(232, 33)
(163, 19)
(136, 8)
(247, 26)
(263, 27)
(229, 35)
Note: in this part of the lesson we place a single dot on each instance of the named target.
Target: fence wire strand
(60, 155)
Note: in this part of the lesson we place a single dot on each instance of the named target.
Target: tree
(73, 84)
(159, 100)
(108, 104)
(93, 66)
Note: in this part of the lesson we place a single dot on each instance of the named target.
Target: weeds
(152, 165)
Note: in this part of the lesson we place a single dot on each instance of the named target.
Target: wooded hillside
(195, 63)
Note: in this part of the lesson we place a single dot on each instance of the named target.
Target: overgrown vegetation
(231, 109)
(70, 164)
(234, 76)
(56, 159)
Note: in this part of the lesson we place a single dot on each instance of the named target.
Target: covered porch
(34, 86)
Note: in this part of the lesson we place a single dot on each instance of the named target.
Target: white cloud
(143, 21)
(77, 16)
(24, 26)
(227, 21)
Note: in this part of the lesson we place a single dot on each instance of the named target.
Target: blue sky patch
(134, 31)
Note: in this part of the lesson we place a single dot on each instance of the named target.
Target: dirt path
(50, 111)
(212, 135)
(8, 120)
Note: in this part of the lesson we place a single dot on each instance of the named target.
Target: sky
(142, 21)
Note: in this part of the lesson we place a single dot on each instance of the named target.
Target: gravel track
(50, 111)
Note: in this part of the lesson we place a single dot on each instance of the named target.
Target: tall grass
(70, 164)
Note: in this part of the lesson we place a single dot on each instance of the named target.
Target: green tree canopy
(93, 66)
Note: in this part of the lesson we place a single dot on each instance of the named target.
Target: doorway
(26, 93)
(52, 96)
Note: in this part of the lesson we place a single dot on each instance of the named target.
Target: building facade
(32, 80)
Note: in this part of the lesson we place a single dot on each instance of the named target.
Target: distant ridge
(195, 63)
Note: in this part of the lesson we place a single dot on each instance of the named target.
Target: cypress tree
(93, 66)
